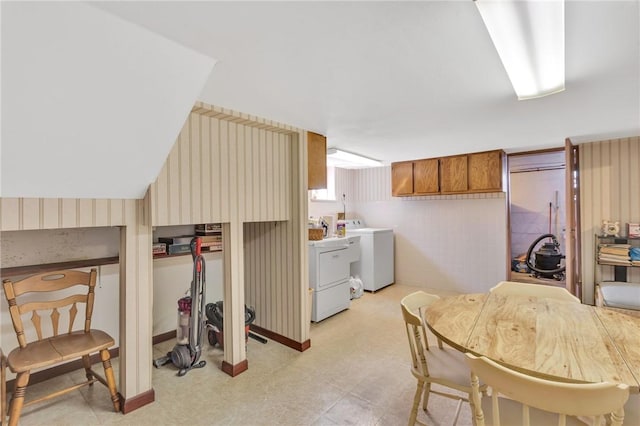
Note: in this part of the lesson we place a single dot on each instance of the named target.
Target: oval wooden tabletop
(544, 337)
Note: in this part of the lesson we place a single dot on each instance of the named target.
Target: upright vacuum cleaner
(191, 320)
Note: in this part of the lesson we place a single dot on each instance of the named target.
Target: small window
(328, 194)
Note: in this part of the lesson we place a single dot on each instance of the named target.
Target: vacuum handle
(196, 249)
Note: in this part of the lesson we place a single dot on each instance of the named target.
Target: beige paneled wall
(135, 262)
(218, 165)
(250, 173)
(609, 190)
(276, 270)
(18, 214)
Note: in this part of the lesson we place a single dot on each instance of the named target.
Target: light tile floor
(355, 373)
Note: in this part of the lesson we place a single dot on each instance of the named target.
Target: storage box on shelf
(614, 252)
(210, 235)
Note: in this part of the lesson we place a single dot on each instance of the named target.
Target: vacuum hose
(539, 270)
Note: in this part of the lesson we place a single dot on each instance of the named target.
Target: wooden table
(543, 337)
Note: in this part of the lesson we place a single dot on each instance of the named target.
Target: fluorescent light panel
(348, 160)
(529, 37)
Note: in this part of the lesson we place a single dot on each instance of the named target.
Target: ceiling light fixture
(529, 38)
(348, 160)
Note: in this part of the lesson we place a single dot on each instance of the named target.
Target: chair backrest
(413, 307)
(46, 292)
(537, 290)
(564, 399)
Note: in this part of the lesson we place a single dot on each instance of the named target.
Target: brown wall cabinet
(457, 174)
(316, 161)
(418, 177)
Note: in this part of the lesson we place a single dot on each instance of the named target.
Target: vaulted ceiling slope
(401, 80)
(91, 103)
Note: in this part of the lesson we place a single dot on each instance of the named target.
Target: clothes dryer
(376, 265)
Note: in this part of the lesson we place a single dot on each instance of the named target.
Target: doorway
(537, 206)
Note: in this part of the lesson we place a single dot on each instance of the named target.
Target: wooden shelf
(47, 267)
(164, 256)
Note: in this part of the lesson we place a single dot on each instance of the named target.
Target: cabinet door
(402, 179)
(316, 161)
(485, 171)
(425, 176)
(453, 174)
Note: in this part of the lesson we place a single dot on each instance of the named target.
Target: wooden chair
(430, 364)
(534, 401)
(54, 292)
(537, 290)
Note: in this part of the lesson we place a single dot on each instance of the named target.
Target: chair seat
(511, 414)
(53, 350)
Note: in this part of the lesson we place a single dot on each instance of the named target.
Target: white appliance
(329, 272)
(376, 264)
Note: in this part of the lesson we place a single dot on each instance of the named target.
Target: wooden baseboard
(52, 372)
(140, 400)
(299, 346)
(234, 370)
(164, 337)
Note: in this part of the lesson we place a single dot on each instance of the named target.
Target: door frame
(573, 252)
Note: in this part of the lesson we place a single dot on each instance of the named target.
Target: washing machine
(376, 264)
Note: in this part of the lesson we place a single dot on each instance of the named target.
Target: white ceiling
(404, 80)
(94, 94)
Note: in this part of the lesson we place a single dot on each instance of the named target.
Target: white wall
(172, 278)
(455, 242)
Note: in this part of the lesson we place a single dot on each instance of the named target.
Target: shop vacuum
(547, 260)
(186, 353)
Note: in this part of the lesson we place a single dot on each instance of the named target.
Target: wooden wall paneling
(101, 212)
(206, 171)
(195, 189)
(86, 216)
(225, 164)
(623, 179)
(634, 179)
(263, 172)
(30, 208)
(610, 190)
(214, 169)
(69, 213)
(116, 212)
(51, 212)
(173, 181)
(184, 165)
(9, 214)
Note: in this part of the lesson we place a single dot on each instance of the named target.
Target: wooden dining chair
(537, 290)
(59, 295)
(533, 401)
(432, 364)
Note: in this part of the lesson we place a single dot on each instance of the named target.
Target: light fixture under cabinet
(529, 38)
(348, 160)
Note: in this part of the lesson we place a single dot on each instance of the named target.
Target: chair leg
(86, 362)
(416, 403)
(427, 392)
(17, 400)
(111, 381)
